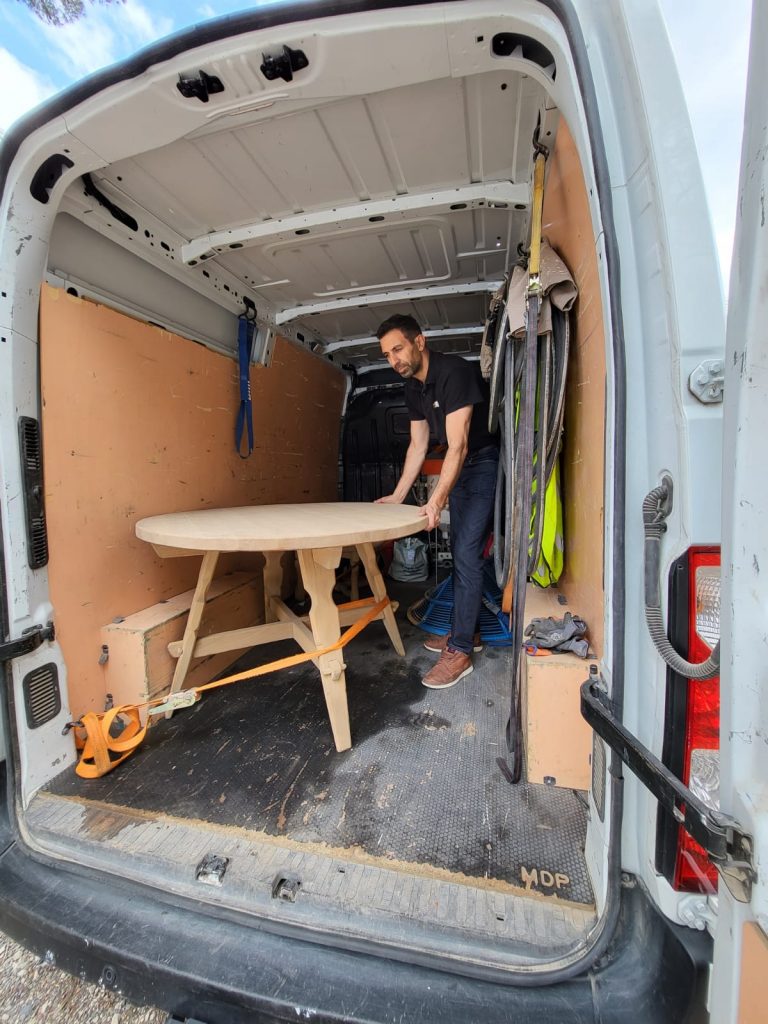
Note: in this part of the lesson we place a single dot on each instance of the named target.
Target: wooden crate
(139, 666)
(558, 741)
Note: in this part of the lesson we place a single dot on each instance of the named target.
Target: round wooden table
(317, 532)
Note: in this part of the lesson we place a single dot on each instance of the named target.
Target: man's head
(404, 346)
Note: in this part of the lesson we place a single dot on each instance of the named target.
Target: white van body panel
(744, 606)
(673, 318)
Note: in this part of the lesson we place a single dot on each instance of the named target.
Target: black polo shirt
(452, 383)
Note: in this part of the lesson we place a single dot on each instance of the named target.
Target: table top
(281, 527)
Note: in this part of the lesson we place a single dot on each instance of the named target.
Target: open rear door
(735, 836)
(739, 989)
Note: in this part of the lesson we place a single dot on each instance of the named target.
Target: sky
(38, 60)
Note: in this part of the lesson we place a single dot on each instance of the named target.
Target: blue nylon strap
(245, 334)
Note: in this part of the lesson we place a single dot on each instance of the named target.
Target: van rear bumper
(169, 953)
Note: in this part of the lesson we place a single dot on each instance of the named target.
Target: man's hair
(399, 322)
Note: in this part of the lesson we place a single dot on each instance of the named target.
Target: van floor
(421, 785)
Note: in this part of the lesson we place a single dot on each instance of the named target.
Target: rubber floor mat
(421, 783)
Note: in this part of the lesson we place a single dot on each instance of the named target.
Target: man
(445, 396)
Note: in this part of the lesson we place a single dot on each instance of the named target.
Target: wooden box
(139, 666)
(558, 741)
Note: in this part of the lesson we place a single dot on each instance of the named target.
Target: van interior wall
(567, 225)
(137, 422)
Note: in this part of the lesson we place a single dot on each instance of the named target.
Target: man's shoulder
(448, 363)
(450, 367)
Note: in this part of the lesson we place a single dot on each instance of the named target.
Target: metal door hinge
(286, 887)
(729, 846)
(211, 869)
(29, 641)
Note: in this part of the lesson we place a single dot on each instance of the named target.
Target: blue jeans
(471, 509)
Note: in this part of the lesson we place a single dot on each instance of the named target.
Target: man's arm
(414, 460)
(457, 434)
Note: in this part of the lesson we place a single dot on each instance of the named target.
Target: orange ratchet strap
(101, 752)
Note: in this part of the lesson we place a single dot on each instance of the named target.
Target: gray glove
(564, 634)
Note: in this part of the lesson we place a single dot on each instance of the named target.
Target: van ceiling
(409, 200)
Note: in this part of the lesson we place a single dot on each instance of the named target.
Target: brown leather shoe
(450, 668)
(438, 643)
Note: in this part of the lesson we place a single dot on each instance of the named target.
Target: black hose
(523, 456)
(505, 478)
(656, 508)
(499, 329)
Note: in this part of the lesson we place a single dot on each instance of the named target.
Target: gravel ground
(33, 992)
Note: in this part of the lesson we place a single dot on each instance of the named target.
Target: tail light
(692, 735)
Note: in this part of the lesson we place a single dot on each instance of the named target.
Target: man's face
(404, 356)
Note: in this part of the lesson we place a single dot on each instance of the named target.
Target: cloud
(144, 26)
(103, 35)
(711, 51)
(29, 89)
(82, 47)
(207, 11)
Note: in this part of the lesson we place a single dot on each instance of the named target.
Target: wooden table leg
(318, 572)
(376, 583)
(207, 569)
(273, 581)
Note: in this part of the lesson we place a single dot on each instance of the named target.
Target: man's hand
(432, 511)
(388, 499)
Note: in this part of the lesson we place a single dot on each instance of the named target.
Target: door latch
(729, 846)
(29, 641)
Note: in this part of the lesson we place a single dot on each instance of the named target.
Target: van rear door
(736, 836)
(740, 972)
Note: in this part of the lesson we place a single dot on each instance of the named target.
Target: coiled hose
(656, 508)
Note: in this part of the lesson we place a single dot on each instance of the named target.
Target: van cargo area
(318, 176)
(139, 420)
(417, 824)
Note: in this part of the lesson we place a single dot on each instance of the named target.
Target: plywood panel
(568, 226)
(753, 989)
(558, 741)
(138, 421)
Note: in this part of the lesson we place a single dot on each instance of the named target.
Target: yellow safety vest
(549, 564)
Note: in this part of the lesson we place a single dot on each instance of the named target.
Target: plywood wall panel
(568, 226)
(138, 421)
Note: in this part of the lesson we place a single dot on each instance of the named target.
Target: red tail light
(694, 872)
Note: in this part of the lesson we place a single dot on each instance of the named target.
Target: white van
(315, 168)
